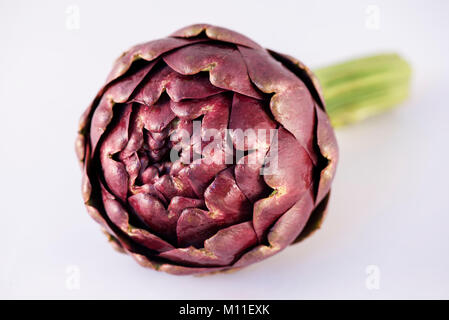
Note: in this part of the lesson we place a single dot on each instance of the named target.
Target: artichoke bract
(205, 152)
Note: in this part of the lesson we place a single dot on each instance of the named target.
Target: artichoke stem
(357, 89)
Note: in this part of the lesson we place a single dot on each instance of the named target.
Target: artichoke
(156, 192)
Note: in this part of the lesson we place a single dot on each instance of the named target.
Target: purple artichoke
(167, 171)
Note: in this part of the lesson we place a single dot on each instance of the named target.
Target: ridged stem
(357, 89)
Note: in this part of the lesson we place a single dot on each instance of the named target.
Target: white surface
(389, 205)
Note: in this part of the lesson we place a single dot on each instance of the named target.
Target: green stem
(357, 89)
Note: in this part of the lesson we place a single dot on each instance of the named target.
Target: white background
(389, 206)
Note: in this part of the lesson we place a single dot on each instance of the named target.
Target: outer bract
(200, 216)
